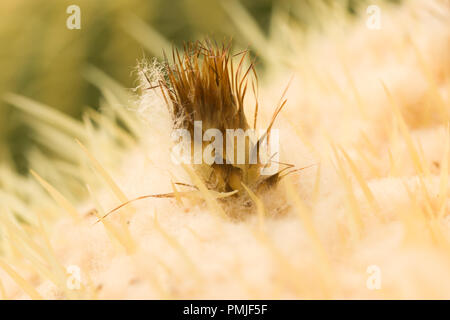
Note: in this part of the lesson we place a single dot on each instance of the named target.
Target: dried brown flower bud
(203, 84)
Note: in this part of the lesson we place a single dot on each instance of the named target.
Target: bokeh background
(40, 58)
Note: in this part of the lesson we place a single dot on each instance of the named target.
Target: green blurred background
(42, 59)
